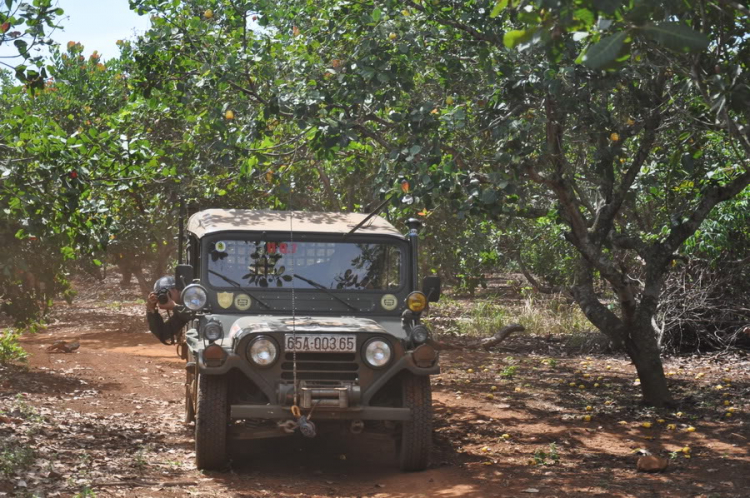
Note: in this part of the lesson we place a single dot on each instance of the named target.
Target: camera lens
(163, 298)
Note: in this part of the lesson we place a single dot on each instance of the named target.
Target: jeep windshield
(267, 264)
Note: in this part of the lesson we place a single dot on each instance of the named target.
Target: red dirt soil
(108, 418)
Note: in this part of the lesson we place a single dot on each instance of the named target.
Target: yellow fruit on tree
(229, 114)
(208, 14)
(392, 36)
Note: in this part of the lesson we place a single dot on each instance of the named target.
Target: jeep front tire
(416, 434)
(211, 420)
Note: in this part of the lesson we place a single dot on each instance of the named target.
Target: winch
(321, 394)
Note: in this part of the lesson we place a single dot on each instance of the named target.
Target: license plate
(320, 343)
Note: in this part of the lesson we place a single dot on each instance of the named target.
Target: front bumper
(234, 361)
(275, 412)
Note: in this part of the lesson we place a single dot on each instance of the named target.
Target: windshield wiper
(327, 291)
(239, 286)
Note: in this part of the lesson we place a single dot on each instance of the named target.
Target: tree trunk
(162, 258)
(639, 339)
(142, 282)
(636, 335)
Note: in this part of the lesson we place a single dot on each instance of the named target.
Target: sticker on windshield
(242, 302)
(225, 299)
(221, 246)
(389, 302)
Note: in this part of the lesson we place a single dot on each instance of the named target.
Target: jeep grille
(321, 366)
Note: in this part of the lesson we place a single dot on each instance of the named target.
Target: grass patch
(484, 318)
(15, 459)
(10, 349)
(550, 457)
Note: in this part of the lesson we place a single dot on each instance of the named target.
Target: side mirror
(183, 275)
(431, 288)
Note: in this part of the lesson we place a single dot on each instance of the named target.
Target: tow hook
(357, 427)
(306, 427)
(304, 424)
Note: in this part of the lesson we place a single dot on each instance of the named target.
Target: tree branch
(477, 35)
(606, 214)
(679, 233)
(533, 281)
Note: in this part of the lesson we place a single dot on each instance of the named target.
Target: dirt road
(107, 420)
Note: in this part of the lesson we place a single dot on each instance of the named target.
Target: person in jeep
(165, 296)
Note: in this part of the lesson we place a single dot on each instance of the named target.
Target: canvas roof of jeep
(223, 220)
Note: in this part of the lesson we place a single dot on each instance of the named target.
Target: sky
(97, 24)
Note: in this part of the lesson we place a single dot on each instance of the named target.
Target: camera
(162, 288)
(163, 295)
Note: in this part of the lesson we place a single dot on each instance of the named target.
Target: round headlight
(213, 330)
(263, 351)
(416, 301)
(194, 297)
(377, 353)
(419, 334)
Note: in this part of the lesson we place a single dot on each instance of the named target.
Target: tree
(25, 26)
(622, 123)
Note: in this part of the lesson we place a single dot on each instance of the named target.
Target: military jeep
(305, 323)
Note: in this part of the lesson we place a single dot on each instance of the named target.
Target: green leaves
(673, 35)
(676, 36)
(605, 51)
(515, 37)
(499, 7)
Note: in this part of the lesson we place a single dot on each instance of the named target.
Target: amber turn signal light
(416, 301)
